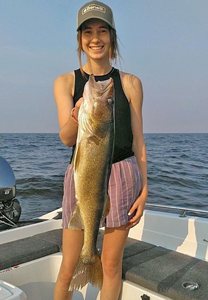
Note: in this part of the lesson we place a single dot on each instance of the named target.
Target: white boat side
(187, 235)
(37, 279)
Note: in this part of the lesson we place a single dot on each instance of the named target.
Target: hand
(136, 211)
(77, 106)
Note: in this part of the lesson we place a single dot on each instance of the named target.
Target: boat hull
(37, 279)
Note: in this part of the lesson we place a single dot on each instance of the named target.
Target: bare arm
(63, 91)
(133, 89)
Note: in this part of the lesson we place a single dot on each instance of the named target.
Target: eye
(104, 31)
(87, 32)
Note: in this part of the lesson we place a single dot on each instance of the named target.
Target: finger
(136, 217)
(132, 224)
(79, 102)
(132, 210)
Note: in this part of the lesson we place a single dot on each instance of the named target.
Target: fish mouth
(106, 88)
(108, 92)
(102, 88)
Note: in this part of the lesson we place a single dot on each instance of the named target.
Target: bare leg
(112, 254)
(72, 246)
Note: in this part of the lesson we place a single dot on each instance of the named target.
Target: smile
(96, 47)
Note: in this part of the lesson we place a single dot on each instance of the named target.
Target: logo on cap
(93, 7)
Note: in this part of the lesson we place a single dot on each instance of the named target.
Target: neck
(97, 68)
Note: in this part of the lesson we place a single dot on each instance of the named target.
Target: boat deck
(155, 268)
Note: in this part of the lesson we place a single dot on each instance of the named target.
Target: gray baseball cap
(97, 10)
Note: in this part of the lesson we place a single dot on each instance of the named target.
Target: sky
(163, 42)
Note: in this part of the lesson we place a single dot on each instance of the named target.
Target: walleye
(92, 162)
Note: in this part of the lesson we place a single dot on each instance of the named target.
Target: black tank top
(123, 131)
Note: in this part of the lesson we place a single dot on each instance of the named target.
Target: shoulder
(130, 80)
(132, 86)
(65, 78)
(65, 82)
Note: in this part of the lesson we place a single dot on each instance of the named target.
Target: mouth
(96, 48)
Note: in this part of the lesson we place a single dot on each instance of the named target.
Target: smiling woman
(125, 182)
(96, 40)
(103, 31)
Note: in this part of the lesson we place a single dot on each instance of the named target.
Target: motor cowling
(10, 209)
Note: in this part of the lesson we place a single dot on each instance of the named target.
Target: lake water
(177, 170)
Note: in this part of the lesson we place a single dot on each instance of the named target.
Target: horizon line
(143, 133)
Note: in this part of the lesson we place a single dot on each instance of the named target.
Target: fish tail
(90, 271)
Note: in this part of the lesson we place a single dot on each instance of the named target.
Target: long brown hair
(114, 49)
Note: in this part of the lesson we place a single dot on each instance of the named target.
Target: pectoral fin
(106, 208)
(76, 220)
(94, 139)
(76, 157)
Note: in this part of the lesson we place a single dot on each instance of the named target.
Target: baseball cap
(97, 10)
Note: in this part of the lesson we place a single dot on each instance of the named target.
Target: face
(96, 40)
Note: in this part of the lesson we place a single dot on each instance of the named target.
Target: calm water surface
(177, 169)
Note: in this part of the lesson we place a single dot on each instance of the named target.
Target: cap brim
(99, 18)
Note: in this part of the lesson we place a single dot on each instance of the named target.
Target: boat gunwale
(183, 209)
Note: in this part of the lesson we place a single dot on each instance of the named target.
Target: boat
(165, 258)
(10, 209)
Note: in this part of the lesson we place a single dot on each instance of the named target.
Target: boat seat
(155, 268)
(164, 271)
(27, 249)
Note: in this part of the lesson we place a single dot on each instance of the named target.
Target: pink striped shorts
(124, 187)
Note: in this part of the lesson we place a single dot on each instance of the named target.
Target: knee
(65, 275)
(112, 268)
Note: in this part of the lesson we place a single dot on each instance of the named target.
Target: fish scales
(92, 162)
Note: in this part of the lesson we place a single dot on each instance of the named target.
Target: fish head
(101, 98)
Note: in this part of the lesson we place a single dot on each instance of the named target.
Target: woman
(128, 181)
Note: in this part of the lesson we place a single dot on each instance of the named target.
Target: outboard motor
(10, 209)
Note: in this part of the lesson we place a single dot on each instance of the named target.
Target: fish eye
(110, 101)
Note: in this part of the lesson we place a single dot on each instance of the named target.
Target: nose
(95, 37)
